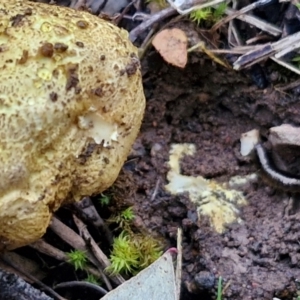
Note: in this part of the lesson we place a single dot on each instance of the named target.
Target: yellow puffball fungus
(71, 105)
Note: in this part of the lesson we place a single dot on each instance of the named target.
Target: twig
(77, 4)
(33, 279)
(125, 10)
(100, 256)
(227, 285)
(234, 38)
(71, 284)
(186, 8)
(252, 20)
(77, 242)
(289, 86)
(87, 209)
(286, 65)
(159, 16)
(50, 250)
(179, 263)
(257, 39)
(267, 50)
(155, 190)
(239, 13)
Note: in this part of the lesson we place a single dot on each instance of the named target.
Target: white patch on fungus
(98, 129)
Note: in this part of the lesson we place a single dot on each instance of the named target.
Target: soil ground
(211, 107)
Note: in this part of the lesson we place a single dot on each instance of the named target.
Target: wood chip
(172, 46)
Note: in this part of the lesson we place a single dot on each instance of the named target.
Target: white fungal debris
(214, 200)
(248, 141)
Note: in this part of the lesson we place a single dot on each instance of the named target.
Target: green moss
(123, 219)
(104, 200)
(93, 279)
(212, 15)
(133, 252)
(78, 259)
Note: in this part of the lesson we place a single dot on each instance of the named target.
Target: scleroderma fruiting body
(71, 104)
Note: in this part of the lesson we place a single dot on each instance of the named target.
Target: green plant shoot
(208, 14)
(104, 200)
(219, 293)
(78, 259)
(127, 214)
(92, 279)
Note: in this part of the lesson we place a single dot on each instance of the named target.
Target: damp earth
(258, 255)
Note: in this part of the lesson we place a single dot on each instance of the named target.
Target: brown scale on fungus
(47, 50)
(28, 11)
(98, 92)
(79, 44)
(17, 20)
(82, 24)
(87, 152)
(133, 66)
(72, 76)
(60, 47)
(53, 96)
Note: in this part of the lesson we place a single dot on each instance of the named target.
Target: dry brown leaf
(172, 46)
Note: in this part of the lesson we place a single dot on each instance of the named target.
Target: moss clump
(133, 252)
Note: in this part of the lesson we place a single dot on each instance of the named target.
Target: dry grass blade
(186, 7)
(264, 26)
(286, 65)
(161, 15)
(271, 49)
(179, 263)
(33, 279)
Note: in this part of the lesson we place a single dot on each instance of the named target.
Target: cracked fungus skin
(71, 104)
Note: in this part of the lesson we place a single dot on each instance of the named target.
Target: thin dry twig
(257, 22)
(45, 248)
(77, 242)
(186, 7)
(274, 50)
(289, 86)
(84, 284)
(33, 279)
(87, 210)
(179, 263)
(77, 4)
(286, 65)
(49, 250)
(159, 16)
(155, 190)
(97, 252)
(239, 13)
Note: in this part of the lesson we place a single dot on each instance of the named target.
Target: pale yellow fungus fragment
(214, 200)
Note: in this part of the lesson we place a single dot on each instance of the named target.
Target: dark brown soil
(210, 107)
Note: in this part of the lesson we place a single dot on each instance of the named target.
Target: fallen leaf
(155, 282)
(172, 46)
